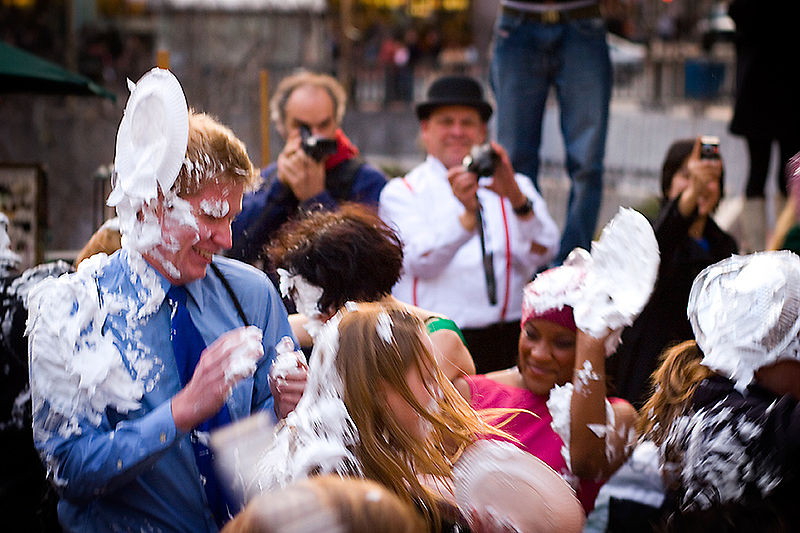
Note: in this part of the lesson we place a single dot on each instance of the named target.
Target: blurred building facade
(385, 51)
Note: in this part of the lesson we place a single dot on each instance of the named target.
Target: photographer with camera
(317, 168)
(474, 231)
(692, 183)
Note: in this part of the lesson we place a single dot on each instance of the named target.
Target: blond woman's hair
(328, 504)
(369, 365)
(213, 152)
(674, 384)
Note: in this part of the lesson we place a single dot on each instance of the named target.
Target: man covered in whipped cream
(138, 356)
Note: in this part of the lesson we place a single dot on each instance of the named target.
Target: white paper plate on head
(152, 137)
(498, 479)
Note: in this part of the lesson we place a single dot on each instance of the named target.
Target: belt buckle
(550, 16)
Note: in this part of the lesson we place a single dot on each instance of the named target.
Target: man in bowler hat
(472, 236)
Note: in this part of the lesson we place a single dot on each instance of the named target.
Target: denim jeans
(529, 57)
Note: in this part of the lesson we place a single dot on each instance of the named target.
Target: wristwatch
(524, 209)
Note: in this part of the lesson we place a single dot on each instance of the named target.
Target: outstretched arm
(600, 433)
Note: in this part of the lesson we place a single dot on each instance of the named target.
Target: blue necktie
(188, 344)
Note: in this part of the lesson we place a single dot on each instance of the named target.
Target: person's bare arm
(453, 357)
(462, 387)
(298, 321)
(597, 449)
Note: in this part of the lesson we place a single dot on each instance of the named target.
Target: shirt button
(163, 438)
(119, 464)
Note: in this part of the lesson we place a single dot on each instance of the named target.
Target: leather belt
(554, 16)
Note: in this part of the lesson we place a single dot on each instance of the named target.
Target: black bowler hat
(454, 90)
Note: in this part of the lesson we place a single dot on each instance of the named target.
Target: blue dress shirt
(135, 471)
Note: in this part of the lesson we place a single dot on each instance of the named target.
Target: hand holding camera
(301, 171)
(317, 148)
(705, 172)
(481, 160)
(709, 147)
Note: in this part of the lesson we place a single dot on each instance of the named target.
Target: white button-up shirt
(443, 265)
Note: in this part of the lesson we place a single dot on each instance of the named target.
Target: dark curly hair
(350, 253)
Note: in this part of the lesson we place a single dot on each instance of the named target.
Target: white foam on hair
(717, 461)
(306, 297)
(383, 327)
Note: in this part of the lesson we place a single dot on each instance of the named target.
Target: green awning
(23, 72)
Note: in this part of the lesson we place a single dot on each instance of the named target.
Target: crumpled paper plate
(500, 480)
(152, 137)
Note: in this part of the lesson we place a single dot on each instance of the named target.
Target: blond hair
(328, 504)
(674, 384)
(213, 152)
(368, 365)
(105, 240)
(277, 104)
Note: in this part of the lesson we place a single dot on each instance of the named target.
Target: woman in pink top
(594, 434)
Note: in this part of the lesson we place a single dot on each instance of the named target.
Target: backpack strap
(339, 180)
(232, 294)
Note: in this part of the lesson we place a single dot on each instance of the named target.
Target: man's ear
(281, 129)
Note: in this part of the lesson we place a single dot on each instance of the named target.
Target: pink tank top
(536, 436)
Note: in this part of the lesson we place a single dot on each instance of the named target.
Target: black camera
(709, 147)
(317, 148)
(482, 160)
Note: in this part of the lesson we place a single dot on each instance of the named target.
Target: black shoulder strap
(339, 180)
(227, 285)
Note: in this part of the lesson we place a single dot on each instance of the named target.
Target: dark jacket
(266, 209)
(663, 321)
(766, 44)
(743, 457)
(25, 492)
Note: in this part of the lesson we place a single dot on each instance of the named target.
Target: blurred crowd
(316, 346)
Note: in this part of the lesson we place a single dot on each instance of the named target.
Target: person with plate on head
(137, 356)
(725, 408)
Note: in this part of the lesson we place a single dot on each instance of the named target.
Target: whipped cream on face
(150, 152)
(215, 208)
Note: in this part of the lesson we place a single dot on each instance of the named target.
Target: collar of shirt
(435, 164)
(144, 275)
